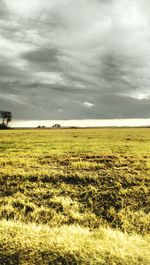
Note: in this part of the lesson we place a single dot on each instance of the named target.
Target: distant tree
(41, 127)
(56, 126)
(6, 117)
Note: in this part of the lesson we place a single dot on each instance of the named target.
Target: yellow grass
(75, 196)
(32, 244)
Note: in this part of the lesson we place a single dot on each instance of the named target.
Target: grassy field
(75, 196)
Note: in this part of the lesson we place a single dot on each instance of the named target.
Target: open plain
(75, 196)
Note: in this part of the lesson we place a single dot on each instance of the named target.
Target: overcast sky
(75, 59)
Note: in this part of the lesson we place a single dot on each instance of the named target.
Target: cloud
(88, 104)
(90, 59)
(12, 98)
(3, 10)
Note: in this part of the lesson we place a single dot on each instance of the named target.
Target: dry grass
(32, 244)
(75, 196)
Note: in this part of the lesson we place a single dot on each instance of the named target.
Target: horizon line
(138, 122)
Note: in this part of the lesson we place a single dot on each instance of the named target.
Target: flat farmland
(75, 196)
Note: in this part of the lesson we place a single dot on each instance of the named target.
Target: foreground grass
(75, 196)
(31, 244)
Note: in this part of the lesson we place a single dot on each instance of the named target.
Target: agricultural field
(75, 196)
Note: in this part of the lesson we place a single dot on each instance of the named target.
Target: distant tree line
(5, 118)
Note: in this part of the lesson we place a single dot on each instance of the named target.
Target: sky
(72, 60)
(81, 123)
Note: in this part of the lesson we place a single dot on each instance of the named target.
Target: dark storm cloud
(41, 56)
(44, 59)
(75, 59)
(3, 10)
